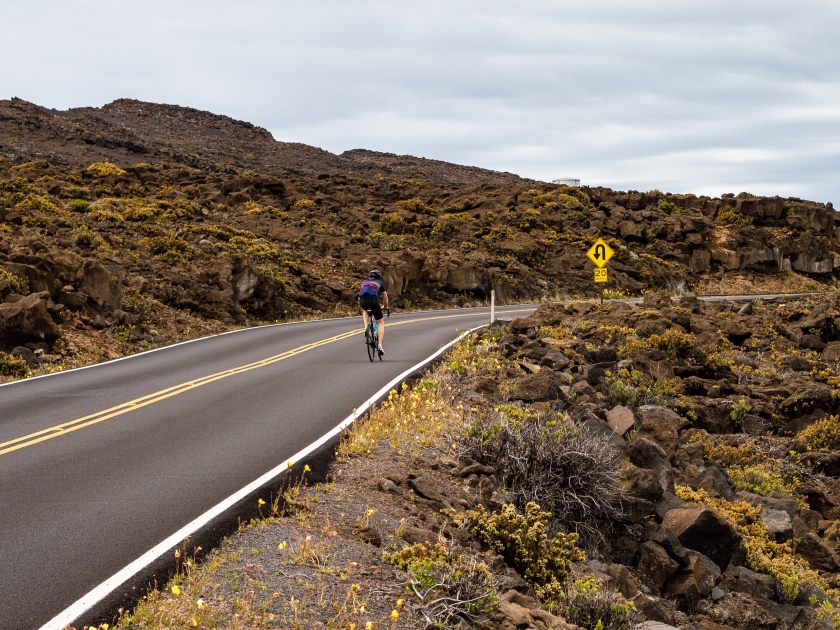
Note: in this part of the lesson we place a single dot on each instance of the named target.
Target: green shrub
(391, 223)
(450, 585)
(31, 166)
(728, 214)
(19, 284)
(740, 410)
(587, 604)
(524, 543)
(79, 205)
(173, 250)
(632, 388)
(679, 346)
(824, 433)
(85, 238)
(13, 366)
(670, 208)
(103, 169)
(576, 193)
(413, 205)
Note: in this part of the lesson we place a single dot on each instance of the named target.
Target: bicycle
(371, 334)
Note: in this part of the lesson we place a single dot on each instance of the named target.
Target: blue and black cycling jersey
(371, 288)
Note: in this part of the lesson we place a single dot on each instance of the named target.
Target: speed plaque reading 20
(601, 275)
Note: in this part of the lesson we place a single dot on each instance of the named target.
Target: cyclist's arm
(385, 299)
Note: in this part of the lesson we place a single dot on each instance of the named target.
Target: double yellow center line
(169, 392)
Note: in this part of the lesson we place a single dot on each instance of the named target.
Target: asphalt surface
(82, 504)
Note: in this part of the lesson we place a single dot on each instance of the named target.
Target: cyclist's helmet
(375, 274)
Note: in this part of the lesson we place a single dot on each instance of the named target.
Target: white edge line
(98, 593)
(231, 332)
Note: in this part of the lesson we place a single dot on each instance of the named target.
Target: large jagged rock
(27, 320)
(537, 387)
(102, 283)
(702, 529)
(692, 583)
(659, 425)
(654, 566)
(818, 553)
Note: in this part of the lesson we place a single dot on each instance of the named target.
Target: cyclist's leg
(381, 325)
(365, 318)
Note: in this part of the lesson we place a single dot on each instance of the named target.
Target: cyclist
(369, 293)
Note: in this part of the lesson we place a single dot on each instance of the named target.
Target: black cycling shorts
(371, 303)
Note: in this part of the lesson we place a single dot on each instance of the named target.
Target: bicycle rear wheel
(370, 342)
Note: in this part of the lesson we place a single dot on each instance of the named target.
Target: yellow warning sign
(601, 275)
(600, 253)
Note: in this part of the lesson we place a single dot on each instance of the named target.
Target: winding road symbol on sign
(600, 253)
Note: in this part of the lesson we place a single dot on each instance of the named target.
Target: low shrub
(586, 603)
(577, 193)
(173, 250)
(37, 165)
(85, 238)
(632, 388)
(391, 223)
(755, 466)
(450, 585)
(524, 543)
(305, 203)
(79, 205)
(413, 205)
(20, 285)
(740, 410)
(103, 169)
(824, 433)
(679, 346)
(13, 366)
(670, 208)
(730, 216)
(547, 459)
(554, 332)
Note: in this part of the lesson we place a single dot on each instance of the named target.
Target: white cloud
(695, 96)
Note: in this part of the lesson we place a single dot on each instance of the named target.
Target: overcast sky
(705, 97)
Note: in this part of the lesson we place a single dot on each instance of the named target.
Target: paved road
(79, 503)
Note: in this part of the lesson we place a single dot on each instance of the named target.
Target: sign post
(600, 253)
(492, 305)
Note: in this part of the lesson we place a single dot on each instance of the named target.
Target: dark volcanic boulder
(660, 426)
(654, 565)
(695, 581)
(818, 554)
(702, 529)
(27, 320)
(537, 387)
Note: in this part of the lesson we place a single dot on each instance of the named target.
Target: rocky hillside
(138, 224)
